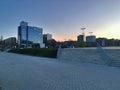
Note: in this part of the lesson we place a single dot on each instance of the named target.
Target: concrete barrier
(90, 55)
(114, 53)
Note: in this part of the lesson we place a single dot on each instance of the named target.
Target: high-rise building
(47, 37)
(91, 38)
(29, 36)
(80, 38)
(10, 43)
(91, 41)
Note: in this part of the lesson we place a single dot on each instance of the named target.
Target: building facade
(10, 43)
(29, 36)
(80, 38)
(90, 38)
(91, 41)
(47, 37)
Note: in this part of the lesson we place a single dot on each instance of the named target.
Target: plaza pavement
(20, 72)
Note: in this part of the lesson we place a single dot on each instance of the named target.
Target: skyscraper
(91, 41)
(29, 36)
(10, 43)
(91, 38)
(80, 38)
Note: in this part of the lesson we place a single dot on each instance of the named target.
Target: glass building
(91, 41)
(29, 37)
(90, 38)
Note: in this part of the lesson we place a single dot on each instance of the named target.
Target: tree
(51, 43)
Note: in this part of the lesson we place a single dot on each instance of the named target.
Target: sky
(62, 18)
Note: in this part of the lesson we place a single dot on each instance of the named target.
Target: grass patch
(41, 52)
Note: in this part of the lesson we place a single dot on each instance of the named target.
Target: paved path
(19, 72)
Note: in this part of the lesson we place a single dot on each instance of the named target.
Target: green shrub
(41, 52)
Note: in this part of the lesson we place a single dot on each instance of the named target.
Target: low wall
(89, 55)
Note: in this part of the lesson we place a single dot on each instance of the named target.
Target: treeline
(108, 42)
(76, 44)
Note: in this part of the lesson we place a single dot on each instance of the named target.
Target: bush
(41, 52)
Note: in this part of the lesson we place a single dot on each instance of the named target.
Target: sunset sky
(62, 18)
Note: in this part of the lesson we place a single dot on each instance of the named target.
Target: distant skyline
(62, 18)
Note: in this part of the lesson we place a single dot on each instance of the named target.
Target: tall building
(91, 38)
(47, 37)
(104, 41)
(80, 38)
(91, 41)
(10, 43)
(29, 36)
